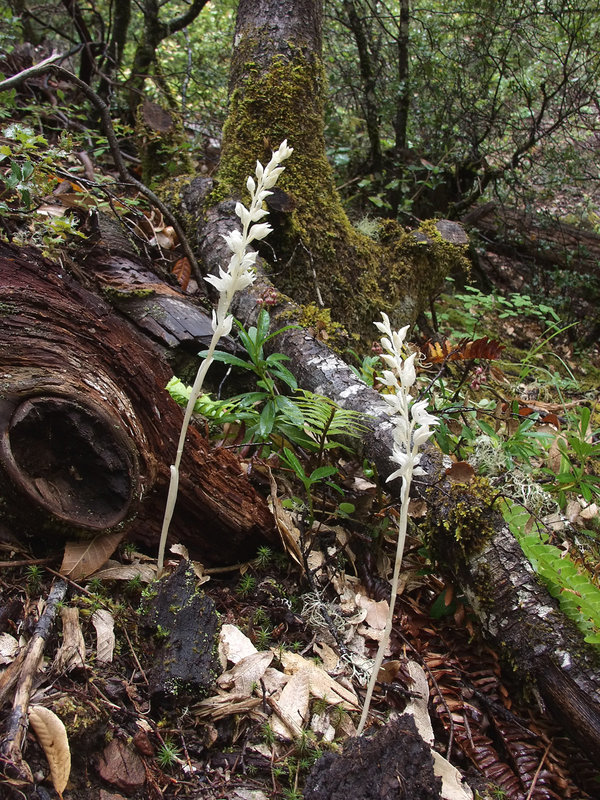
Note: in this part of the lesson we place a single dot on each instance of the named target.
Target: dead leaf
(234, 645)
(9, 648)
(389, 671)
(589, 512)
(52, 736)
(104, 624)
(290, 535)
(246, 674)
(377, 611)
(292, 705)
(321, 684)
(182, 271)
(115, 571)
(82, 558)
(327, 655)
(417, 508)
(460, 472)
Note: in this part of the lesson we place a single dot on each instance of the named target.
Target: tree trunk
(403, 101)
(276, 92)
(368, 76)
(87, 430)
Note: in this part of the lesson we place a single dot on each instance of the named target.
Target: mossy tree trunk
(277, 89)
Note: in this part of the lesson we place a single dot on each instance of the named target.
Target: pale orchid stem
(228, 283)
(174, 480)
(383, 644)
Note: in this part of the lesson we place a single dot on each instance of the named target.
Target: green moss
(460, 522)
(320, 255)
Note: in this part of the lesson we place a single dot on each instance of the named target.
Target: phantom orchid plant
(239, 275)
(412, 428)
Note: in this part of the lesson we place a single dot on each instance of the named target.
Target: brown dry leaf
(82, 558)
(104, 624)
(223, 705)
(9, 648)
(321, 684)
(50, 210)
(461, 472)
(377, 611)
(234, 645)
(417, 508)
(52, 736)
(115, 571)
(182, 271)
(327, 655)
(292, 706)
(589, 512)
(246, 674)
(290, 535)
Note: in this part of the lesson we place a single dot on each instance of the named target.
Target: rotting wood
(516, 609)
(87, 430)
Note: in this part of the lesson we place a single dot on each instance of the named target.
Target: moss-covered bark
(276, 92)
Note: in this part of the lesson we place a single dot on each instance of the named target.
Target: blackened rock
(393, 764)
(184, 624)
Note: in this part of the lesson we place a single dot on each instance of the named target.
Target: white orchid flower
(240, 273)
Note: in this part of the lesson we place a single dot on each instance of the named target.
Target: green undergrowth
(578, 597)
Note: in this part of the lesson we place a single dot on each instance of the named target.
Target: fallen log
(512, 607)
(87, 431)
(525, 232)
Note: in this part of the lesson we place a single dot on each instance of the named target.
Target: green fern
(578, 597)
(325, 420)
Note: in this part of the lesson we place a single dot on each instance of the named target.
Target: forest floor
(132, 734)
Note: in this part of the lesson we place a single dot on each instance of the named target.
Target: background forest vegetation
(485, 113)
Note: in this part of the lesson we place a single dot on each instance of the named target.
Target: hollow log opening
(71, 459)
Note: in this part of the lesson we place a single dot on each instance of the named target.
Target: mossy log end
(87, 430)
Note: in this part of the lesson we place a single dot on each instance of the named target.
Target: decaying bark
(516, 610)
(87, 430)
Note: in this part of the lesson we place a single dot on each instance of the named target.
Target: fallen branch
(11, 746)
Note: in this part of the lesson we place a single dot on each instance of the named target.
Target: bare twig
(17, 720)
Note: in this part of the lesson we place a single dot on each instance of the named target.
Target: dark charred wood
(87, 430)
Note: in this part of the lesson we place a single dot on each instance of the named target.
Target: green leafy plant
(305, 419)
(578, 597)
(263, 408)
(465, 311)
(246, 585)
(264, 557)
(34, 574)
(368, 367)
(578, 448)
